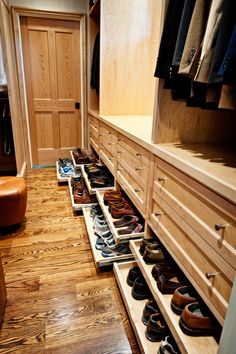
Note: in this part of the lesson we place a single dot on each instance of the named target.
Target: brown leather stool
(13, 199)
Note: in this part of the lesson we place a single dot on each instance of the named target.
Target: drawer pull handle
(119, 152)
(137, 190)
(110, 158)
(109, 133)
(109, 143)
(219, 227)
(210, 275)
(138, 168)
(119, 139)
(157, 214)
(138, 154)
(100, 135)
(119, 169)
(161, 179)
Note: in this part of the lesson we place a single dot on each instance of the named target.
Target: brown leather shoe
(118, 213)
(168, 282)
(196, 320)
(153, 254)
(182, 297)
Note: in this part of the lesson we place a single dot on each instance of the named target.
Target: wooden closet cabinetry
(133, 170)
(94, 132)
(184, 214)
(108, 146)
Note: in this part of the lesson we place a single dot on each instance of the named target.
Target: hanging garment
(183, 30)
(168, 39)
(228, 67)
(209, 41)
(192, 47)
(94, 82)
(228, 22)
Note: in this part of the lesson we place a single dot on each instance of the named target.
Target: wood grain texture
(57, 301)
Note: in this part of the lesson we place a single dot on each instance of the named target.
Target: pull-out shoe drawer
(205, 268)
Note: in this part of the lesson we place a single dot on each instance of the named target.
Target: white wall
(80, 6)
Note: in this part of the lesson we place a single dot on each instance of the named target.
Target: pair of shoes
(157, 328)
(127, 220)
(195, 317)
(80, 192)
(102, 182)
(117, 250)
(153, 254)
(147, 242)
(83, 156)
(168, 282)
(135, 279)
(96, 210)
(119, 210)
(168, 346)
(133, 229)
(66, 168)
(162, 267)
(112, 196)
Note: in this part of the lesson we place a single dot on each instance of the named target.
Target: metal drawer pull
(137, 190)
(138, 154)
(100, 135)
(119, 139)
(210, 275)
(109, 143)
(110, 158)
(119, 169)
(119, 152)
(109, 133)
(138, 168)
(157, 214)
(219, 227)
(161, 179)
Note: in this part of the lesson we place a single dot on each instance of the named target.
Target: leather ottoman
(13, 199)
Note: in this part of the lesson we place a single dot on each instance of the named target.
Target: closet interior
(176, 164)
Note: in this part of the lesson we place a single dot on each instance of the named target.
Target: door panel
(51, 52)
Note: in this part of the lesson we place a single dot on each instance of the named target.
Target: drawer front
(141, 154)
(196, 259)
(202, 208)
(135, 188)
(94, 132)
(108, 138)
(134, 166)
(108, 159)
(94, 143)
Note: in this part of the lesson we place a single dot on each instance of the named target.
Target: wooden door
(51, 55)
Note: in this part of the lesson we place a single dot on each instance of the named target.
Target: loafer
(133, 274)
(153, 254)
(196, 320)
(140, 289)
(182, 297)
(150, 308)
(168, 346)
(118, 213)
(156, 328)
(168, 282)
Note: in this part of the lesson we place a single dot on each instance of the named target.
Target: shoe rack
(118, 238)
(99, 260)
(133, 307)
(74, 205)
(187, 344)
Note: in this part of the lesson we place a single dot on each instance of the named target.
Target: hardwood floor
(57, 301)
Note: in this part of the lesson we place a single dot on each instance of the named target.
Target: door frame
(17, 12)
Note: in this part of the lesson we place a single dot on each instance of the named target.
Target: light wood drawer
(196, 258)
(134, 165)
(134, 149)
(136, 188)
(94, 132)
(94, 143)
(94, 122)
(108, 138)
(109, 160)
(200, 207)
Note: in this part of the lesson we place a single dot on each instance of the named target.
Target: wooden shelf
(63, 178)
(76, 206)
(187, 344)
(118, 238)
(99, 260)
(134, 308)
(90, 189)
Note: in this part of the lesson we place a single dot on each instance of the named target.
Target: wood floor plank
(58, 302)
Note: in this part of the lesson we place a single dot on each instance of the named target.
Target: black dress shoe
(140, 289)
(156, 328)
(133, 274)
